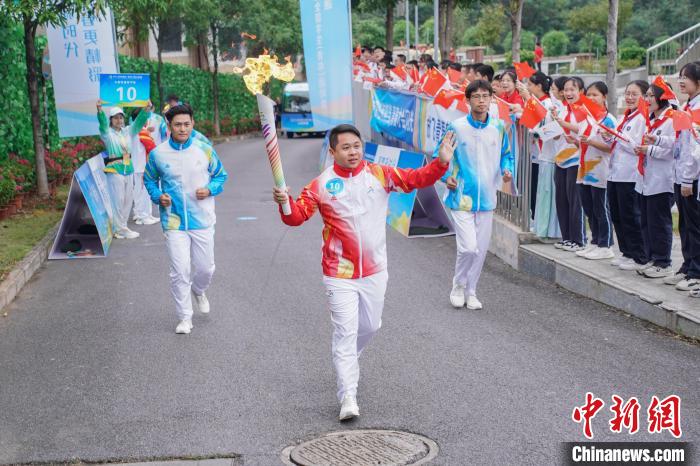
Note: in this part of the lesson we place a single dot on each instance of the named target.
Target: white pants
(121, 190)
(356, 311)
(191, 255)
(142, 201)
(473, 230)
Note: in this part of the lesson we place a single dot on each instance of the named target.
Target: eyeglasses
(480, 96)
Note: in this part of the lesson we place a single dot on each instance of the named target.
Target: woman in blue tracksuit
(655, 185)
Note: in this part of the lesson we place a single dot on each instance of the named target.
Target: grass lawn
(20, 233)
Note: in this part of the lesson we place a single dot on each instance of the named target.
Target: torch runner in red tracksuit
(352, 197)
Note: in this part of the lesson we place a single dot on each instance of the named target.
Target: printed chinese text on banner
(80, 51)
(394, 114)
(326, 31)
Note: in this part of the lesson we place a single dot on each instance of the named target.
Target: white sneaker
(586, 250)
(600, 253)
(688, 284)
(184, 327)
(348, 408)
(618, 261)
(457, 296)
(150, 220)
(675, 279)
(630, 264)
(201, 302)
(126, 234)
(641, 268)
(473, 303)
(657, 272)
(560, 244)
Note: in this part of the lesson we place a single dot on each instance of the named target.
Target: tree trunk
(159, 68)
(390, 25)
(449, 16)
(612, 54)
(442, 21)
(215, 80)
(516, 21)
(42, 182)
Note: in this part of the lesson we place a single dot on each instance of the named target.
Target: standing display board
(86, 227)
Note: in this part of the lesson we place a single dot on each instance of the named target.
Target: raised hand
(447, 147)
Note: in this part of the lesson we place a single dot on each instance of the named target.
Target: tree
(387, 7)
(514, 11)
(555, 43)
(591, 42)
(400, 32)
(527, 41)
(32, 14)
(489, 28)
(613, 12)
(368, 32)
(142, 16)
(594, 17)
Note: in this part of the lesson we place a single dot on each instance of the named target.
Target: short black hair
(539, 78)
(401, 56)
(413, 62)
(485, 70)
(341, 129)
(579, 82)
(658, 92)
(600, 86)
(456, 66)
(641, 84)
(182, 109)
(478, 84)
(379, 47)
(691, 71)
(560, 81)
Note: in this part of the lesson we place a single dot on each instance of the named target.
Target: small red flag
(362, 65)
(696, 116)
(358, 51)
(446, 97)
(668, 92)
(462, 104)
(681, 120)
(454, 75)
(643, 108)
(503, 109)
(533, 113)
(598, 112)
(433, 82)
(523, 70)
(372, 80)
(415, 76)
(400, 72)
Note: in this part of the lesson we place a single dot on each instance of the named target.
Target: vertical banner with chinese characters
(80, 51)
(325, 28)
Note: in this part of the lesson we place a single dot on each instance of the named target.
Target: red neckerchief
(629, 115)
(584, 146)
(657, 123)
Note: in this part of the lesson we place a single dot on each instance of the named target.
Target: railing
(666, 56)
(516, 208)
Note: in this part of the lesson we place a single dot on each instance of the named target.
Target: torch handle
(286, 207)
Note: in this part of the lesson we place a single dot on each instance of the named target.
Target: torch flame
(258, 71)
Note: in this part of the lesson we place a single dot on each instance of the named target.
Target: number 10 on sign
(125, 90)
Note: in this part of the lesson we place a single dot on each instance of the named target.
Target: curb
(26, 268)
(588, 285)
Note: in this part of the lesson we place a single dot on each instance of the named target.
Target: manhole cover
(364, 447)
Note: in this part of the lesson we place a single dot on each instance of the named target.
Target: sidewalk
(648, 299)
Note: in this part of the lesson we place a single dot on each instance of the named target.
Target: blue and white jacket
(481, 158)
(179, 170)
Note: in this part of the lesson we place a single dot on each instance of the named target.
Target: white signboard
(79, 52)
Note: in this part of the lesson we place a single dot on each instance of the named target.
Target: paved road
(90, 366)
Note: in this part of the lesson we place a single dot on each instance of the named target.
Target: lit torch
(256, 72)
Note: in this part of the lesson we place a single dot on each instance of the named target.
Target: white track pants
(473, 232)
(121, 190)
(142, 201)
(356, 311)
(191, 255)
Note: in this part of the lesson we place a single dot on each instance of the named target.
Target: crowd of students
(617, 177)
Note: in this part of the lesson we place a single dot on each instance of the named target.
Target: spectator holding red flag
(624, 201)
(593, 174)
(655, 185)
(687, 171)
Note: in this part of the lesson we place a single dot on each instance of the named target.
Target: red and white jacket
(353, 204)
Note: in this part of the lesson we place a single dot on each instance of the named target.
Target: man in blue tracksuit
(182, 176)
(482, 161)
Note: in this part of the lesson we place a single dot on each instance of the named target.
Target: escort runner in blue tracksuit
(182, 176)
